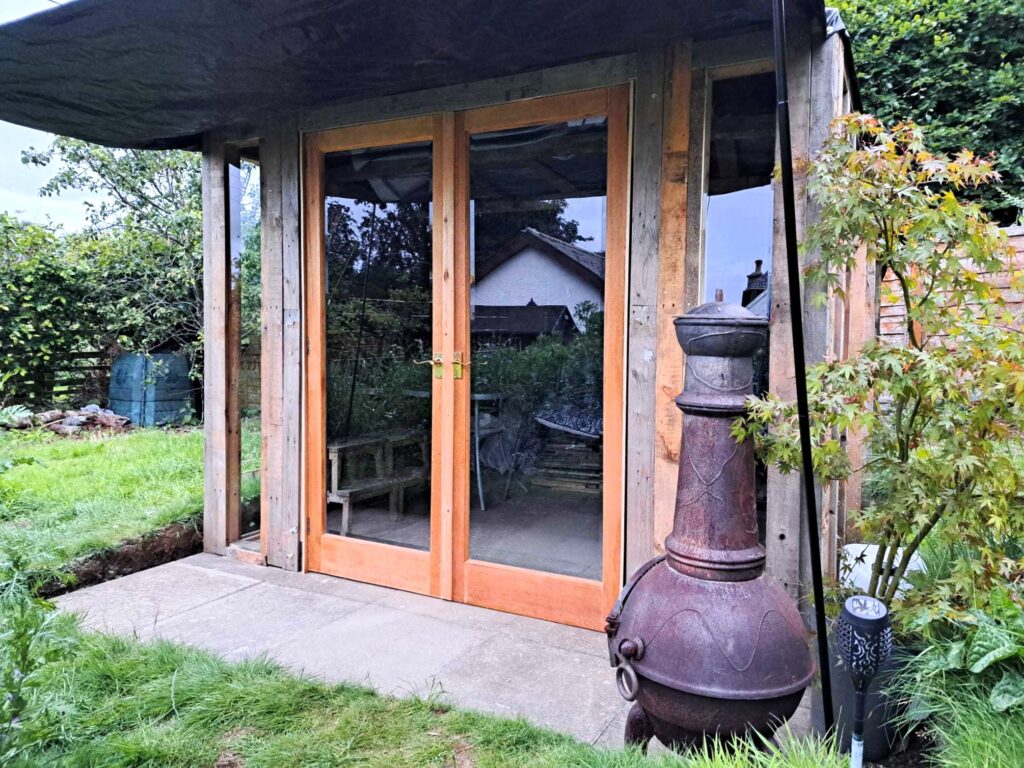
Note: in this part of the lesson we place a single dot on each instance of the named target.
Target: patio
(396, 642)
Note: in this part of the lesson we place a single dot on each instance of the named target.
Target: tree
(143, 240)
(943, 414)
(954, 67)
(46, 308)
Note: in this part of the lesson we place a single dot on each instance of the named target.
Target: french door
(464, 306)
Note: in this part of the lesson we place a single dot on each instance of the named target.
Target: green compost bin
(151, 390)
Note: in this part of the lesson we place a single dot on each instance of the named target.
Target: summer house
(401, 149)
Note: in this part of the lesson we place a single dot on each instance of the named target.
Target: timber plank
(290, 511)
(649, 98)
(672, 282)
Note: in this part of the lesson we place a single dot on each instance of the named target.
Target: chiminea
(704, 642)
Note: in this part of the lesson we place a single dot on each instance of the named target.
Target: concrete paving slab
(398, 643)
(444, 610)
(391, 650)
(560, 636)
(307, 582)
(253, 621)
(133, 604)
(612, 735)
(568, 691)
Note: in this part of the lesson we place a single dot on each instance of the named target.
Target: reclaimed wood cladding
(892, 325)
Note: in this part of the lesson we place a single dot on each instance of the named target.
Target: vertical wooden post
(648, 117)
(289, 556)
(282, 350)
(673, 284)
(271, 339)
(815, 90)
(221, 297)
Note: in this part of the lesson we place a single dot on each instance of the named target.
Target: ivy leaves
(954, 66)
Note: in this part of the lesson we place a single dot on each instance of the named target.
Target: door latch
(437, 363)
(457, 365)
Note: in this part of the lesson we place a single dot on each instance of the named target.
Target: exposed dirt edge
(172, 542)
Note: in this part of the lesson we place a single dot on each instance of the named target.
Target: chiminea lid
(718, 329)
(720, 312)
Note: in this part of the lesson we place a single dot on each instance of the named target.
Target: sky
(738, 232)
(19, 184)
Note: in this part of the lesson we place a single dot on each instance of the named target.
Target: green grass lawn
(118, 702)
(125, 703)
(83, 495)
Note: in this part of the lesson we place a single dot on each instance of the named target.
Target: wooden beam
(596, 73)
(739, 50)
(271, 405)
(292, 349)
(672, 279)
(221, 251)
(648, 117)
(815, 87)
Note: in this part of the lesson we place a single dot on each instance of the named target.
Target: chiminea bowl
(705, 644)
(719, 659)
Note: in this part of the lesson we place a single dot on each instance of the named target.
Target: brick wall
(892, 321)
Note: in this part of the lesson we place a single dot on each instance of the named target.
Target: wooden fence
(893, 314)
(71, 379)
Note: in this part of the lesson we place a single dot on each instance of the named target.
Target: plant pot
(882, 735)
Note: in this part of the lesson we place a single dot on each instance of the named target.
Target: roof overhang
(159, 73)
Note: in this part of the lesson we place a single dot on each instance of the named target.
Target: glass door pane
(379, 326)
(537, 256)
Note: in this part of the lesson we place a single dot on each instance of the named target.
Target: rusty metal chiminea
(704, 643)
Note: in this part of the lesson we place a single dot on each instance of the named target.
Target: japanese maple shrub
(943, 413)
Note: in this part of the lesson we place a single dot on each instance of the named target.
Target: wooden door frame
(389, 565)
(554, 597)
(446, 570)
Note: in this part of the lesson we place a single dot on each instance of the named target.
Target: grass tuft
(83, 496)
(126, 703)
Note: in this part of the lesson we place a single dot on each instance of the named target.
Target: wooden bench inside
(385, 480)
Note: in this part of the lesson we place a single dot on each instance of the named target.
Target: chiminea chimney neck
(714, 532)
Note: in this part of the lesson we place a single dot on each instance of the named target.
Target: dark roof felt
(158, 73)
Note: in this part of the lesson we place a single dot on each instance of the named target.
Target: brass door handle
(437, 362)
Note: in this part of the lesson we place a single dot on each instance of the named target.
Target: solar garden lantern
(706, 644)
(865, 642)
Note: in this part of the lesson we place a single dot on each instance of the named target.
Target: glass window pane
(379, 325)
(537, 299)
(739, 222)
(739, 215)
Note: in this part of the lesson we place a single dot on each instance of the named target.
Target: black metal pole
(799, 363)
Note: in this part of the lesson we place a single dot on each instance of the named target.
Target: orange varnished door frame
(389, 565)
(446, 570)
(554, 597)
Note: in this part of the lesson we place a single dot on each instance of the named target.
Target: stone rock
(860, 558)
(74, 420)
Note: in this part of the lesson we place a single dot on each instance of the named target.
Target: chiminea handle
(627, 681)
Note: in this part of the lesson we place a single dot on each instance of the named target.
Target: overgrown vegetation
(954, 66)
(968, 681)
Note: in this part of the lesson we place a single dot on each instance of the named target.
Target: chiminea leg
(638, 728)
